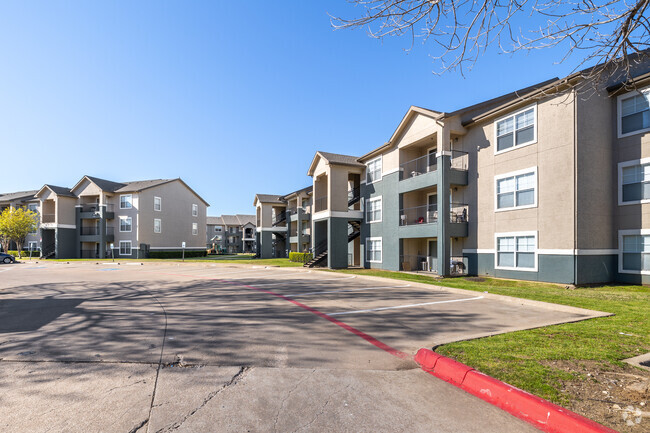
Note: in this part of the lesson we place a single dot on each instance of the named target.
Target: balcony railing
(354, 195)
(48, 218)
(95, 207)
(418, 263)
(291, 210)
(320, 204)
(418, 166)
(458, 213)
(427, 214)
(94, 231)
(459, 160)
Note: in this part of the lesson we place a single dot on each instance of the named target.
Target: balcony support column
(77, 212)
(102, 231)
(444, 254)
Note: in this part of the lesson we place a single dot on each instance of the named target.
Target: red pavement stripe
(370, 339)
(541, 413)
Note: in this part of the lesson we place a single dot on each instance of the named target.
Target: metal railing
(320, 204)
(458, 266)
(459, 160)
(292, 210)
(427, 214)
(94, 231)
(458, 213)
(48, 218)
(354, 195)
(279, 217)
(418, 263)
(417, 166)
(95, 207)
(89, 254)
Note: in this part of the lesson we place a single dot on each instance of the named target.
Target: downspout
(575, 187)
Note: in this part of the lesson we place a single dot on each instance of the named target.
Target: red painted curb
(541, 413)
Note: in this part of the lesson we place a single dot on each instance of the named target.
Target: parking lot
(198, 347)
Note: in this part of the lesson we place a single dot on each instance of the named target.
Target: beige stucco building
(98, 218)
(546, 183)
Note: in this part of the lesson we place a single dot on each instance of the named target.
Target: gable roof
(103, 184)
(269, 198)
(232, 220)
(334, 158)
(215, 221)
(58, 190)
(305, 190)
(246, 219)
(18, 196)
(140, 185)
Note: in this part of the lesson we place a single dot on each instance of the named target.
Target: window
(373, 170)
(516, 251)
(195, 229)
(126, 201)
(217, 229)
(373, 250)
(373, 210)
(125, 248)
(516, 190)
(634, 181)
(157, 227)
(32, 207)
(157, 204)
(516, 130)
(125, 224)
(32, 245)
(634, 113)
(636, 253)
(195, 210)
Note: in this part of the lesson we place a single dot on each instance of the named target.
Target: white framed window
(373, 170)
(32, 207)
(126, 201)
(195, 210)
(634, 251)
(516, 130)
(634, 112)
(195, 228)
(516, 190)
(157, 225)
(125, 248)
(125, 224)
(373, 250)
(634, 181)
(157, 204)
(516, 251)
(373, 210)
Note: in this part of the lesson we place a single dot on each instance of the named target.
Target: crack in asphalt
(277, 415)
(139, 426)
(327, 402)
(232, 382)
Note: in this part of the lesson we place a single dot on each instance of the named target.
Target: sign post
(31, 245)
(113, 251)
(183, 246)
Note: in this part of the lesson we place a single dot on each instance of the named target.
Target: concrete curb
(541, 413)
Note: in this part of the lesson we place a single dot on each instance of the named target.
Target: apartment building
(231, 234)
(27, 200)
(283, 223)
(98, 218)
(546, 183)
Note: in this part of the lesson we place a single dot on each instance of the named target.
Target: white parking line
(346, 290)
(4, 270)
(319, 280)
(404, 306)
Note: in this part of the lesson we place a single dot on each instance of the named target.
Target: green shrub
(177, 254)
(35, 253)
(300, 257)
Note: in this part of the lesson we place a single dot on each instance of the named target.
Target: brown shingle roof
(20, 195)
(338, 158)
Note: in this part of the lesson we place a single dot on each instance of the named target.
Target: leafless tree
(612, 33)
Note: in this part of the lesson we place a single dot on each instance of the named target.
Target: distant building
(134, 217)
(231, 234)
(28, 201)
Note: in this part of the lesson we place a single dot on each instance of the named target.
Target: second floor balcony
(320, 204)
(423, 171)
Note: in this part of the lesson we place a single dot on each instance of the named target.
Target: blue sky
(233, 97)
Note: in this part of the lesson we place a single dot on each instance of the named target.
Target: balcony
(427, 214)
(93, 211)
(320, 204)
(423, 172)
(418, 263)
(91, 234)
(48, 218)
(421, 221)
(279, 217)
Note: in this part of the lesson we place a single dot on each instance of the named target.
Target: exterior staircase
(320, 254)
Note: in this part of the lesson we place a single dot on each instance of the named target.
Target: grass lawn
(526, 358)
